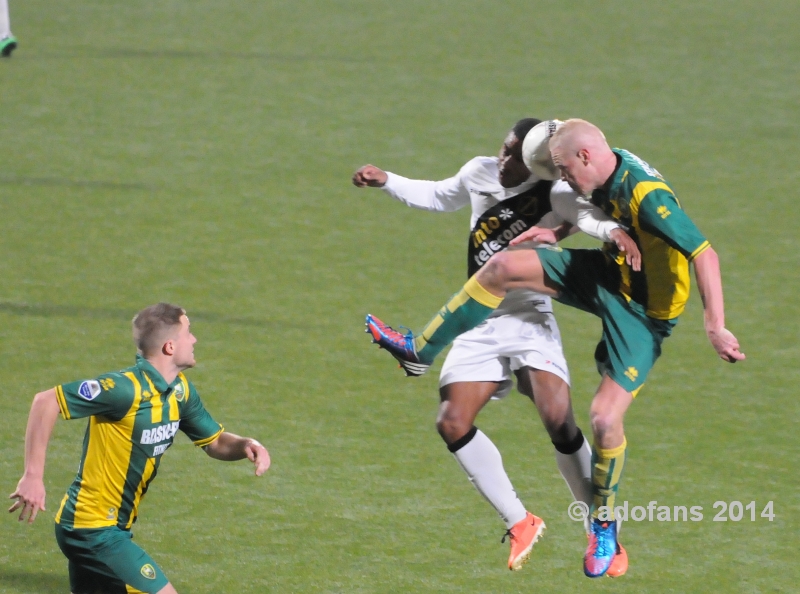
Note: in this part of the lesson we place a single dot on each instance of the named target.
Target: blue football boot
(401, 346)
(602, 548)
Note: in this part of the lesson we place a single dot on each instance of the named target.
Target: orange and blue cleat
(602, 548)
(400, 346)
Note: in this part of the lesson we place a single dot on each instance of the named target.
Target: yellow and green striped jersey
(133, 418)
(639, 197)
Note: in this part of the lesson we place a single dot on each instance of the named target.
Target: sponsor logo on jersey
(148, 571)
(498, 244)
(160, 449)
(663, 211)
(107, 384)
(498, 225)
(180, 392)
(89, 390)
(160, 433)
(112, 513)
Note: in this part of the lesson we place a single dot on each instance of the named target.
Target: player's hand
(258, 455)
(371, 176)
(29, 498)
(725, 344)
(537, 234)
(626, 245)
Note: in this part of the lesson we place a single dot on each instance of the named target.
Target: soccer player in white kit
(521, 338)
(8, 42)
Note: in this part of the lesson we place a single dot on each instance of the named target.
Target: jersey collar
(158, 380)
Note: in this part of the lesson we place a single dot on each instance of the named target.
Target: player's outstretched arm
(371, 176)
(709, 283)
(30, 493)
(230, 447)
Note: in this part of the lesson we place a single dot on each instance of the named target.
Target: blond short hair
(153, 325)
(575, 129)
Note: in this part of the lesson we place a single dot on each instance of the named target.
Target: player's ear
(168, 348)
(583, 155)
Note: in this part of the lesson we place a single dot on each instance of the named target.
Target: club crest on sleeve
(148, 571)
(89, 389)
(179, 391)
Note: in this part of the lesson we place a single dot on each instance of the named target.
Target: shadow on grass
(33, 582)
(72, 311)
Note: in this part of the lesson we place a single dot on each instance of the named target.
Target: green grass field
(200, 152)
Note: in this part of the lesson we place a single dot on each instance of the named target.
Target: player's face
(183, 345)
(511, 169)
(573, 168)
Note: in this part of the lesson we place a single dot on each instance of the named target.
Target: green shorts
(631, 340)
(106, 560)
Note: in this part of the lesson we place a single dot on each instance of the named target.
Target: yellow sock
(465, 310)
(607, 468)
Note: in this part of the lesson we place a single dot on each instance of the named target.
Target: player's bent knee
(604, 421)
(452, 424)
(497, 271)
(452, 428)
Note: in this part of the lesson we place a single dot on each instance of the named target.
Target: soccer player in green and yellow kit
(134, 415)
(638, 308)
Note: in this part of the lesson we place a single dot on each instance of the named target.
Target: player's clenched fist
(369, 175)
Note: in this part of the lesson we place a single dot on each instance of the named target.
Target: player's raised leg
(483, 464)
(479, 297)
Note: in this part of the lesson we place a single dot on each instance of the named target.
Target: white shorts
(499, 346)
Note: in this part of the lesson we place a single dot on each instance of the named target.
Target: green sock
(465, 310)
(607, 468)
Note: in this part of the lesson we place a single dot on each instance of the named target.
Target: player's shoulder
(118, 382)
(561, 189)
(636, 170)
(114, 384)
(480, 170)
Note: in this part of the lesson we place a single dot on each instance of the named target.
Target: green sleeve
(196, 422)
(662, 216)
(109, 395)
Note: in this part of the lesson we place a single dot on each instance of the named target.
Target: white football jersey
(477, 184)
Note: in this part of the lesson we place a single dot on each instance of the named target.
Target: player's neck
(164, 365)
(607, 167)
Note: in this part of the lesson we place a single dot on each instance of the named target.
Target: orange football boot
(523, 535)
(619, 565)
